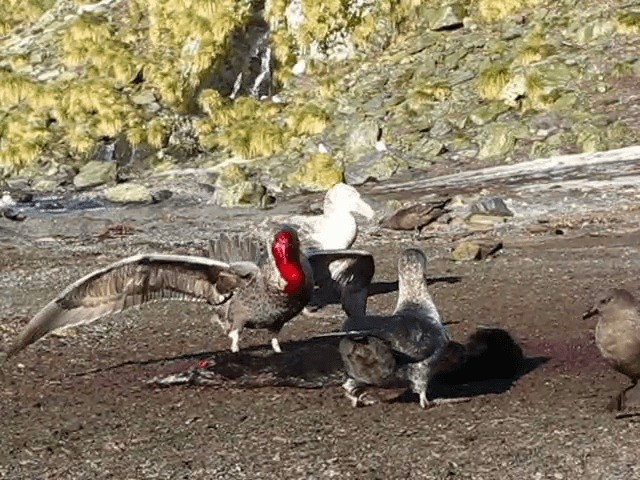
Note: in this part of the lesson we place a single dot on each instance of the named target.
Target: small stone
(494, 206)
(129, 193)
(13, 214)
(161, 195)
(95, 173)
(475, 250)
(65, 332)
(537, 229)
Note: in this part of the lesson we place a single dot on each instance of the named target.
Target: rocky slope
(259, 96)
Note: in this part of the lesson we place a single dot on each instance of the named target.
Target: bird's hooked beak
(591, 312)
(364, 209)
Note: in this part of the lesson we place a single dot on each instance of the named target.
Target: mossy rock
(594, 31)
(44, 185)
(235, 189)
(552, 146)
(95, 173)
(128, 193)
(362, 137)
(376, 166)
(487, 113)
(318, 173)
(499, 140)
(447, 17)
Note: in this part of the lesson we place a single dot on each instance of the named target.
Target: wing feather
(348, 271)
(131, 282)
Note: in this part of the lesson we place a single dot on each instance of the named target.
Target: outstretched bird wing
(348, 271)
(134, 281)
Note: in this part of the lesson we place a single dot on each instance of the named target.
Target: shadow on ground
(490, 361)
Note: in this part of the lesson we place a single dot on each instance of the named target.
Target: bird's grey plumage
(243, 294)
(402, 347)
(617, 333)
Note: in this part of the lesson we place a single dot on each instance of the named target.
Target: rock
(363, 138)
(499, 142)
(95, 173)
(431, 147)
(481, 219)
(22, 197)
(374, 166)
(234, 189)
(129, 193)
(13, 214)
(44, 185)
(448, 17)
(599, 29)
(494, 206)
(556, 144)
(475, 250)
(487, 113)
(161, 196)
(416, 216)
(145, 97)
(318, 173)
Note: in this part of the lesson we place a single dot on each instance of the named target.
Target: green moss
(425, 92)
(252, 139)
(309, 119)
(494, 10)
(628, 23)
(319, 172)
(492, 80)
(21, 12)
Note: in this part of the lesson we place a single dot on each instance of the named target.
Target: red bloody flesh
(287, 261)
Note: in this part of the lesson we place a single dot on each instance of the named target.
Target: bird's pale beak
(590, 313)
(364, 209)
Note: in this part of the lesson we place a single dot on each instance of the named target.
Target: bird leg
(275, 344)
(355, 394)
(223, 323)
(307, 312)
(234, 335)
(426, 403)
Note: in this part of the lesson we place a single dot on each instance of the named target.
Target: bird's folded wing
(133, 281)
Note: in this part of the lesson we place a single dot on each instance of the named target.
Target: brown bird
(402, 348)
(618, 334)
